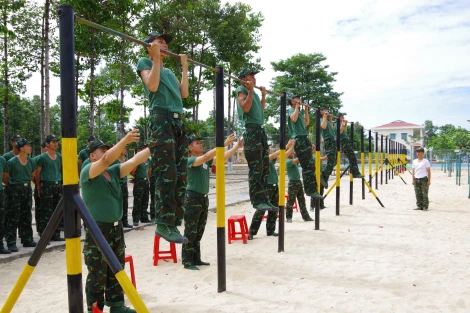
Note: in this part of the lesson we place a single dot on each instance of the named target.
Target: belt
(272, 185)
(111, 224)
(255, 126)
(425, 177)
(301, 136)
(50, 182)
(166, 112)
(196, 194)
(141, 178)
(295, 180)
(20, 185)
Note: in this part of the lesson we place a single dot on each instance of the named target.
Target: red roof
(398, 123)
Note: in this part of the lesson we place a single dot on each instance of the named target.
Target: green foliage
(449, 137)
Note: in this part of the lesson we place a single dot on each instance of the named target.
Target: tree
(307, 76)
(430, 132)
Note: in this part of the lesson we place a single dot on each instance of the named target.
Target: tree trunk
(47, 47)
(41, 133)
(6, 140)
(92, 85)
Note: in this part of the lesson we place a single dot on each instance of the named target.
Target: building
(408, 134)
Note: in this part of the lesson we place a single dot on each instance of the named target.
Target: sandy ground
(368, 259)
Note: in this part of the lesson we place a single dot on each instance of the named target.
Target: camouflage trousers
(170, 163)
(51, 193)
(421, 192)
(296, 191)
(256, 154)
(347, 149)
(18, 214)
(152, 197)
(141, 200)
(2, 217)
(101, 284)
(195, 219)
(331, 152)
(273, 192)
(125, 202)
(303, 149)
(37, 209)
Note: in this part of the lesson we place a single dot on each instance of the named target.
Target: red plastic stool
(128, 258)
(232, 233)
(294, 206)
(163, 255)
(95, 308)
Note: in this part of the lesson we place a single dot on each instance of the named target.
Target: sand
(368, 259)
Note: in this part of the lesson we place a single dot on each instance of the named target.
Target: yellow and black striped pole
(338, 167)
(381, 160)
(282, 174)
(376, 143)
(370, 157)
(317, 168)
(220, 179)
(362, 164)
(351, 181)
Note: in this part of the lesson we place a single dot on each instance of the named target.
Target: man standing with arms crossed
(168, 139)
(250, 110)
(421, 179)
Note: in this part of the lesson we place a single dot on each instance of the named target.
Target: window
(393, 136)
(404, 136)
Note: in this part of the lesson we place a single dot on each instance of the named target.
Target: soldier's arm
(133, 171)
(37, 179)
(137, 159)
(232, 151)
(429, 176)
(149, 172)
(211, 154)
(306, 117)
(296, 161)
(263, 97)
(324, 121)
(246, 101)
(5, 179)
(184, 79)
(294, 116)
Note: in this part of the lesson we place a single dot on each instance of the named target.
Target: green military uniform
(169, 147)
(348, 150)
(37, 203)
(196, 205)
(295, 191)
(141, 194)
(51, 189)
(273, 193)
(2, 210)
(19, 209)
(255, 148)
(329, 136)
(153, 178)
(83, 155)
(104, 200)
(303, 149)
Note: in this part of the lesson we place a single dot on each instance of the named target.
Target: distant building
(408, 134)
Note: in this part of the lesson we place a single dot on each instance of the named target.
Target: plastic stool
(163, 255)
(232, 233)
(294, 206)
(128, 258)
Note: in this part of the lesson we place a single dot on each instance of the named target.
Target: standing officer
(196, 202)
(141, 191)
(421, 179)
(18, 174)
(168, 139)
(250, 110)
(102, 194)
(49, 181)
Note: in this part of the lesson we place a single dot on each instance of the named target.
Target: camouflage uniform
(51, 192)
(19, 214)
(141, 200)
(296, 191)
(125, 201)
(303, 150)
(421, 191)
(195, 219)
(347, 149)
(100, 279)
(37, 209)
(273, 198)
(328, 135)
(152, 196)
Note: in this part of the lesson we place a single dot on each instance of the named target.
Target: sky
(396, 60)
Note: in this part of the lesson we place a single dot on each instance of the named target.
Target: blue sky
(396, 59)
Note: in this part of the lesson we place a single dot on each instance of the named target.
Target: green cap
(21, 143)
(420, 149)
(95, 145)
(246, 71)
(50, 138)
(191, 138)
(154, 34)
(43, 145)
(15, 138)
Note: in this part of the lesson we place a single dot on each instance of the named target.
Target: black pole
(318, 148)
(376, 144)
(386, 160)
(338, 166)
(219, 143)
(382, 157)
(72, 229)
(282, 174)
(370, 157)
(351, 182)
(362, 164)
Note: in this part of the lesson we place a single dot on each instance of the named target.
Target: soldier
(18, 174)
(196, 202)
(295, 189)
(102, 194)
(328, 133)
(297, 124)
(273, 193)
(346, 147)
(14, 150)
(2, 211)
(141, 191)
(84, 153)
(322, 189)
(37, 199)
(168, 139)
(250, 114)
(49, 181)
(125, 192)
